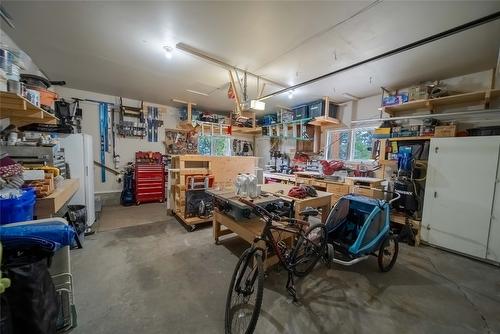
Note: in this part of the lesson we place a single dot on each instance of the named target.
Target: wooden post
(317, 139)
(327, 106)
(189, 111)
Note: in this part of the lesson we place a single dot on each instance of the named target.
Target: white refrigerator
(79, 156)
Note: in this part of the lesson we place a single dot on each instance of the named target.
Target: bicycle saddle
(308, 211)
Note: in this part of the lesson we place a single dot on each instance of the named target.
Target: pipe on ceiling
(433, 38)
(198, 53)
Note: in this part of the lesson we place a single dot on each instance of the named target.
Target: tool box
(149, 177)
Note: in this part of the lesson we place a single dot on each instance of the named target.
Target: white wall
(125, 147)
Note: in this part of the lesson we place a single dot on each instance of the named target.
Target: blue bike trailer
(358, 224)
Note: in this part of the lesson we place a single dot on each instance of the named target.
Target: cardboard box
(381, 133)
(445, 131)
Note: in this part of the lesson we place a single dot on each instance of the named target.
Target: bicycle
(246, 289)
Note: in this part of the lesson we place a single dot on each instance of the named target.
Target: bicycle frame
(267, 236)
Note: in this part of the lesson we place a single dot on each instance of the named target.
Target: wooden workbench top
(276, 187)
(308, 173)
(47, 206)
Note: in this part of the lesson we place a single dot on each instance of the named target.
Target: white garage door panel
(459, 193)
(493, 252)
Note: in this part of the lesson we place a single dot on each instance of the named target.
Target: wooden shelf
(409, 138)
(47, 206)
(481, 97)
(21, 111)
(248, 131)
(324, 121)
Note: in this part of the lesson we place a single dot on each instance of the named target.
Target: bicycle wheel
(244, 298)
(388, 253)
(309, 249)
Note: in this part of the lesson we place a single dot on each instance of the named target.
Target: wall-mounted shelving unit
(288, 130)
(21, 111)
(325, 121)
(409, 138)
(480, 97)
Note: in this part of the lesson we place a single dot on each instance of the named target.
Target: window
(338, 143)
(349, 144)
(362, 144)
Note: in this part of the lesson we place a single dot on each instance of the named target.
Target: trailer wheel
(388, 253)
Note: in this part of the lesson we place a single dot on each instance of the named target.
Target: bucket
(13, 210)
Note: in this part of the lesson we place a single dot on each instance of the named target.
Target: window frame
(351, 148)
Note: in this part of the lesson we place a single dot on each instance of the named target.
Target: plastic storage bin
(317, 109)
(20, 209)
(300, 112)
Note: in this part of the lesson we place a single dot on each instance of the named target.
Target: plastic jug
(252, 186)
(240, 184)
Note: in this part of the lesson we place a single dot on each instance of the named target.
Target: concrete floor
(158, 278)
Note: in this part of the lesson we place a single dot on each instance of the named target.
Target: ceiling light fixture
(196, 92)
(168, 51)
(290, 94)
(257, 105)
(350, 96)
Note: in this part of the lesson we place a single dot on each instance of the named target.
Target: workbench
(47, 206)
(286, 178)
(247, 230)
(322, 202)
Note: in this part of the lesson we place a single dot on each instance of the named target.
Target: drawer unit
(317, 183)
(149, 183)
(335, 188)
(302, 180)
(365, 191)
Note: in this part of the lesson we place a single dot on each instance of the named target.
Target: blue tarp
(49, 235)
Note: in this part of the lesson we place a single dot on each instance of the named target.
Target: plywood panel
(225, 169)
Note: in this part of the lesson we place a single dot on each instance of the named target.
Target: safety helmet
(297, 192)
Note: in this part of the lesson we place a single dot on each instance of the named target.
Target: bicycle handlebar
(398, 195)
(260, 211)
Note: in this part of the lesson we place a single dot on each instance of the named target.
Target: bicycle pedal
(292, 292)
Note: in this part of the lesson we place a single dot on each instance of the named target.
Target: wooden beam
(261, 91)
(235, 90)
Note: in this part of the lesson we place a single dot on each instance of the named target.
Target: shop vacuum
(127, 197)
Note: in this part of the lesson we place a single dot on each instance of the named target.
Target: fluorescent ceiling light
(257, 105)
(168, 52)
(354, 97)
(196, 92)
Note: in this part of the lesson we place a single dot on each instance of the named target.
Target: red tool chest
(149, 180)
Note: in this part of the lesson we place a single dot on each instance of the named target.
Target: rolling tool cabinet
(149, 180)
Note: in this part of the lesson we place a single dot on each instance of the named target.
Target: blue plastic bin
(20, 209)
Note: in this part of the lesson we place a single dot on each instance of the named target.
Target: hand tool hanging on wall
(103, 135)
(136, 128)
(116, 157)
(153, 123)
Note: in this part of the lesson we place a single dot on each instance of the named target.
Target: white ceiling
(116, 47)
